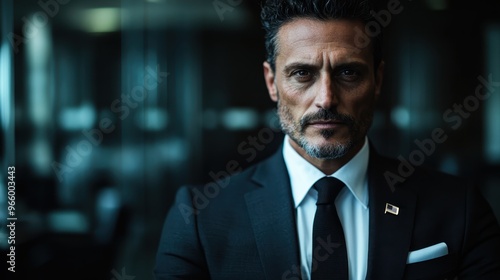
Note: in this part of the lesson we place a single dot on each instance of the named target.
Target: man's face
(325, 86)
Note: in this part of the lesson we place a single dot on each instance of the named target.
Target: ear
(379, 77)
(269, 78)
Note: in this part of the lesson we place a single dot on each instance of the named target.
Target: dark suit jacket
(245, 228)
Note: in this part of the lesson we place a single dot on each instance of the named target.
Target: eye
(349, 72)
(302, 75)
(349, 75)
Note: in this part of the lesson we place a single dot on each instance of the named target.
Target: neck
(327, 166)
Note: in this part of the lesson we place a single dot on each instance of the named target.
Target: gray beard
(334, 151)
(295, 132)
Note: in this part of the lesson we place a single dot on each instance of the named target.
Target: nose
(326, 97)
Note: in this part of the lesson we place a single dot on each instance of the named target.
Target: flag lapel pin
(389, 208)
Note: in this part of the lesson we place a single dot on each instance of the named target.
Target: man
(323, 206)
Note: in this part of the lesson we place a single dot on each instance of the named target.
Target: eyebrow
(299, 65)
(309, 66)
(353, 64)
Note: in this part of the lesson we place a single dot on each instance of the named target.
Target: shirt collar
(303, 174)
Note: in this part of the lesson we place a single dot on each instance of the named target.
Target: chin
(329, 138)
(326, 148)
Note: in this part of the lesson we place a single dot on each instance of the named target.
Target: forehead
(307, 37)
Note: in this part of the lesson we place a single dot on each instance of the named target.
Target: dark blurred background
(108, 107)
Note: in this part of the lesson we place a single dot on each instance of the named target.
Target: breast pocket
(441, 268)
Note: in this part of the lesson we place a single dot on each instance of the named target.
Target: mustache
(326, 115)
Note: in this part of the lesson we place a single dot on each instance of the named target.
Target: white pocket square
(428, 253)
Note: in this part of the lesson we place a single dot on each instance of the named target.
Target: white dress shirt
(351, 204)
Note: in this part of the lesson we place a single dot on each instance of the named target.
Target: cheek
(291, 92)
(359, 103)
(364, 109)
(296, 100)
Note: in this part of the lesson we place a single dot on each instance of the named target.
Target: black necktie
(329, 258)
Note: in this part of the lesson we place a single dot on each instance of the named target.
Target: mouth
(325, 124)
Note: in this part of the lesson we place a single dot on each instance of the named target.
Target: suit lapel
(390, 235)
(272, 214)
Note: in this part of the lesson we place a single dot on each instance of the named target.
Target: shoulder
(402, 174)
(234, 183)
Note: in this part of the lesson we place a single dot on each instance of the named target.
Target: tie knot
(328, 188)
